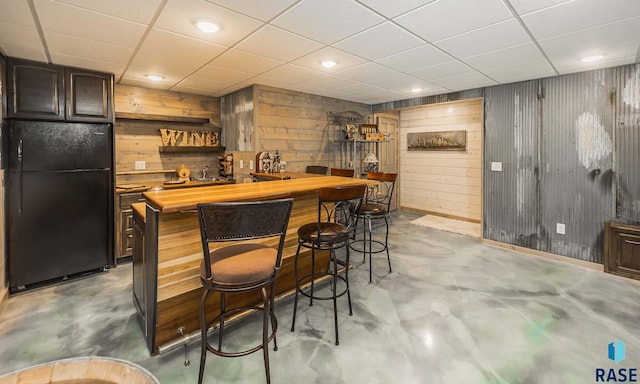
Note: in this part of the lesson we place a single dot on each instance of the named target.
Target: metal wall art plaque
(437, 141)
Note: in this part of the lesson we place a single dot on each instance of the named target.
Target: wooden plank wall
(140, 139)
(295, 123)
(448, 183)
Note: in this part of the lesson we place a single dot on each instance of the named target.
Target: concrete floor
(453, 311)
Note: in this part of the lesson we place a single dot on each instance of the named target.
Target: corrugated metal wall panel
(510, 196)
(576, 178)
(627, 143)
(418, 101)
(236, 119)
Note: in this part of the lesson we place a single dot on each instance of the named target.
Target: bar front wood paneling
(169, 248)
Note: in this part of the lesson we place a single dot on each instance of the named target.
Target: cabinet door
(88, 95)
(35, 90)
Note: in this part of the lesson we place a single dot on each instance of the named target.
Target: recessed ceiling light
(154, 77)
(328, 63)
(416, 90)
(207, 26)
(591, 59)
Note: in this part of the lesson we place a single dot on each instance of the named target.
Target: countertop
(281, 175)
(143, 187)
(175, 200)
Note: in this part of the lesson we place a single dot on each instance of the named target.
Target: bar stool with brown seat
(319, 169)
(376, 206)
(327, 234)
(232, 267)
(341, 172)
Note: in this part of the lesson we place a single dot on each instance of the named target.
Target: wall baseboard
(546, 255)
(4, 296)
(454, 217)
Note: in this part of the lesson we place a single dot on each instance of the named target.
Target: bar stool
(241, 267)
(341, 172)
(328, 235)
(376, 206)
(319, 169)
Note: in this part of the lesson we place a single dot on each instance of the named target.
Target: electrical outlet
(241, 164)
(496, 166)
(140, 165)
(560, 229)
(250, 164)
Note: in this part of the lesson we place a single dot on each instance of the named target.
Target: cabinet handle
(632, 242)
(141, 200)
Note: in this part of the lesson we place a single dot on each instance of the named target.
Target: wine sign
(180, 138)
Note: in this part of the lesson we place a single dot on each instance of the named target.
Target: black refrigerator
(59, 201)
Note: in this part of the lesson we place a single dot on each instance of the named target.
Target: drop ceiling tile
(191, 90)
(180, 16)
(526, 6)
(394, 8)
(442, 19)
(86, 50)
(248, 62)
(565, 51)
(229, 76)
(258, 9)
(115, 68)
(135, 82)
(16, 12)
(29, 46)
(172, 44)
(329, 82)
(73, 21)
(616, 61)
(367, 72)
(288, 47)
(172, 69)
(497, 36)
(343, 60)
(577, 15)
(439, 71)
(253, 81)
(388, 38)
(402, 83)
(136, 11)
(360, 89)
(464, 82)
(327, 21)
(523, 62)
(424, 56)
(292, 74)
(210, 80)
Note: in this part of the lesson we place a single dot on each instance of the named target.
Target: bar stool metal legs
(328, 235)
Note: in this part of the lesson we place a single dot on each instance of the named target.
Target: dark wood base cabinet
(622, 249)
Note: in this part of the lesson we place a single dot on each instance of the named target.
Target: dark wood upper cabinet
(40, 91)
(88, 95)
(35, 90)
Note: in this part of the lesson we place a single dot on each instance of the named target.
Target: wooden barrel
(82, 370)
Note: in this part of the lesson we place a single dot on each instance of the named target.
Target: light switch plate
(140, 165)
(560, 229)
(496, 166)
(241, 164)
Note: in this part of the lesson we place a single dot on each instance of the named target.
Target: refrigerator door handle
(20, 154)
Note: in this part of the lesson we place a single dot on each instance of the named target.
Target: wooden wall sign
(437, 141)
(181, 138)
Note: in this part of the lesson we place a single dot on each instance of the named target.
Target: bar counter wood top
(186, 199)
(167, 252)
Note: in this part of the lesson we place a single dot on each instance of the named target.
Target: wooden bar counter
(167, 251)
